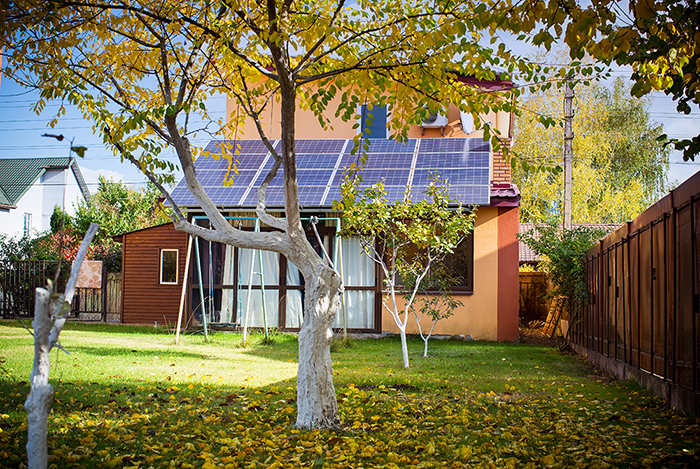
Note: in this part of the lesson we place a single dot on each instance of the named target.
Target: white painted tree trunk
(41, 392)
(50, 307)
(317, 406)
(404, 347)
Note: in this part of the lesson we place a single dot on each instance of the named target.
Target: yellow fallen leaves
(210, 427)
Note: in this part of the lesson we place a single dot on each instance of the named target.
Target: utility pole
(568, 150)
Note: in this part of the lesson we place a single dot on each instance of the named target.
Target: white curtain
(227, 295)
(295, 304)
(269, 273)
(358, 271)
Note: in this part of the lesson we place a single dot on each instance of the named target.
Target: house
(238, 286)
(30, 188)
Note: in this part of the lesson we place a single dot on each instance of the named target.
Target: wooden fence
(19, 280)
(534, 287)
(643, 317)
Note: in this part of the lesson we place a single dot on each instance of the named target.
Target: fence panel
(19, 280)
(644, 314)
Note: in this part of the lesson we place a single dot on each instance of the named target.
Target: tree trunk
(425, 349)
(404, 347)
(317, 406)
(41, 392)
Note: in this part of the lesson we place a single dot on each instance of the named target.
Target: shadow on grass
(94, 327)
(169, 352)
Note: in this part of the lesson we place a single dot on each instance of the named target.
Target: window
(460, 266)
(27, 224)
(373, 121)
(168, 266)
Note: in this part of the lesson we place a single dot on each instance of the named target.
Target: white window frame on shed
(177, 264)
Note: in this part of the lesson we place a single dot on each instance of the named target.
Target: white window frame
(177, 265)
(27, 224)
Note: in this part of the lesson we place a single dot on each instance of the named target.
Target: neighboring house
(235, 281)
(30, 188)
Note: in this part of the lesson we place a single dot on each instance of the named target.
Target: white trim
(177, 265)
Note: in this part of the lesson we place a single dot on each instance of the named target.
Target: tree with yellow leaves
(141, 72)
(619, 167)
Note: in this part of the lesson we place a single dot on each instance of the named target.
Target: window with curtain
(359, 278)
(256, 269)
(233, 280)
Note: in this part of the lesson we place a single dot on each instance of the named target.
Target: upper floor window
(168, 266)
(373, 121)
(27, 224)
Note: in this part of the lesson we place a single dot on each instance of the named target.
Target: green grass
(128, 397)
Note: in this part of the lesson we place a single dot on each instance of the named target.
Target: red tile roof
(527, 255)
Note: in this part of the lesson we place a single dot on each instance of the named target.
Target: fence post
(105, 291)
(695, 302)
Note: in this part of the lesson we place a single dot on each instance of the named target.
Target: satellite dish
(467, 122)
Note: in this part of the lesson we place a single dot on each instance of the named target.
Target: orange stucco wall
(307, 125)
(508, 277)
(491, 312)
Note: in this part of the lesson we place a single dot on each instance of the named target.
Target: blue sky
(21, 130)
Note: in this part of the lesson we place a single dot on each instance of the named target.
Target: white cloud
(92, 176)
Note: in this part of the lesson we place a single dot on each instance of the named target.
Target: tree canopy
(619, 166)
(119, 209)
(659, 39)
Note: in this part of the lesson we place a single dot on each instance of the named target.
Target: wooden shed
(153, 269)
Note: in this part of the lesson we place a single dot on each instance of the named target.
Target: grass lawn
(128, 397)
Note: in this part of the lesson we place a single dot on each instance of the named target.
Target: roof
(17, 175)
(505, 195)
(120, 237)
(527, 255)
(322, 165)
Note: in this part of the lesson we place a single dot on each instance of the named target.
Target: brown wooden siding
(144, 299)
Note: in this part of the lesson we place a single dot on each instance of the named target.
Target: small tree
(563, 252)
(434, 301)
(404, 238)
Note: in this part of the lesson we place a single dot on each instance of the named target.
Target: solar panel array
(322, 165)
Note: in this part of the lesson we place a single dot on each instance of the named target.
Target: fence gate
(100, 301)
(533, 289)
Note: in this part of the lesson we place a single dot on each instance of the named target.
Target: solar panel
(322, 164)
(377, 145)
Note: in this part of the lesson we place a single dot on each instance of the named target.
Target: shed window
(168, 266)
